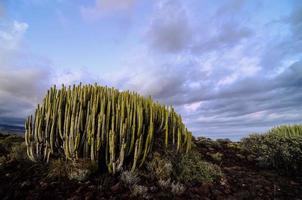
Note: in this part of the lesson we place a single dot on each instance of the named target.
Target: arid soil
(243, 179)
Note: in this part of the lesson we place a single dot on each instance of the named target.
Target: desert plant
(18, 151)
(63, 169)
(177, 188)
(3, 159)
(103, 125)
(164, 184)
(129, 178)
(160, 167)
(217, 157)
(139, 191)
(287, 131)
(80, 170)
(57, 168)
(279, 148)
(7, 142)
(193, 170)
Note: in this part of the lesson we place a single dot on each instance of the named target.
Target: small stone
(267, 188)
(242, 195)
(240, 156)
(223, 181)
(53, 183)
(294, 183)
(80, 189)
(74, 198)
(258, 187)
(25, 184)
(205, 188)
(217, 193)
(250, 158)
(92, 187)
(115, 188)
(153, 189)
(211, 149)
(89, 196)
(43, 185)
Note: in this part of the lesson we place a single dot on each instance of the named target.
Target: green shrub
(160, 167)
(81, 169)
(217, 157)
(164, 184)
(139, 191)
(192, 169)
(177, 188)
(279, 148)
(103, 125)
(8, 142)
(3, 159)
(63, 169)
(129, 178)
(58, 168)
(18, 151)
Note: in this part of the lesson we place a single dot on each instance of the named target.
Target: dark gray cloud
(101, 8)
(295, 21)
(228, 36)
(170, 30)
(2, 11)
(21, 90)
(253, 103)
(230, 75)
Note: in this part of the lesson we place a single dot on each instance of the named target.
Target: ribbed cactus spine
(101, 124)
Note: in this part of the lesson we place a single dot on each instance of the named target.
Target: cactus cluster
(287, 130)
(101, 124)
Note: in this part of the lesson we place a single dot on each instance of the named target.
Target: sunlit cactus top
(287, 130)
(102, 124)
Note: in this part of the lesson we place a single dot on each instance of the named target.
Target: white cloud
(170, 31)
(74, 76)
(12, 36)
(193, 106)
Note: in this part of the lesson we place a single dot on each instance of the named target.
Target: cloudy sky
(228, 67)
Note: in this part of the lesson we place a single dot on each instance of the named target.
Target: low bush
(57, 169)
(280, 148)
(18, 152)
(160, 167)
(193, 170)
(217, 157)
(177, 188)
(188, 169)
(7, 142)
(81, 169)
(164, 184)
(129, 178)
(139, 191)
(62, 169)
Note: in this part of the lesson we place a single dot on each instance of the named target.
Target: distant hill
(11, 129)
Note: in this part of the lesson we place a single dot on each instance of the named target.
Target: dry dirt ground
(242, 180)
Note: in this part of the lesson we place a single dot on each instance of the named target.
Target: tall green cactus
(103, 125)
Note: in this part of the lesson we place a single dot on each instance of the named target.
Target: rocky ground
(243, 179)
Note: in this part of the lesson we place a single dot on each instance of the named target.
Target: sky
(229, 67)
